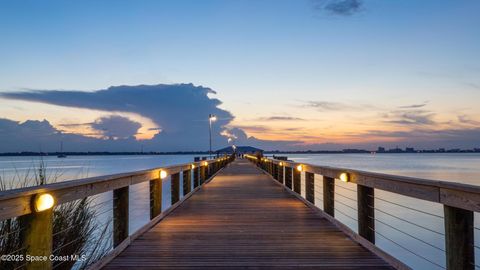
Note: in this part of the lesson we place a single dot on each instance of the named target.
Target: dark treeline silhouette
(380, 150)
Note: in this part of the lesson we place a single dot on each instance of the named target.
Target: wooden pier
(243, 219)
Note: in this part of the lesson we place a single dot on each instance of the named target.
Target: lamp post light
(211, 118)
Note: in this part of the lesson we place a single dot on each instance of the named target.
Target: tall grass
(75, 229)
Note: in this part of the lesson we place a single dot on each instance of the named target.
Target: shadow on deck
(243, 219)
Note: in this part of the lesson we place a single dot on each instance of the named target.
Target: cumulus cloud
(338, 7)
(115, 127)
(36, 136)
(181, 110)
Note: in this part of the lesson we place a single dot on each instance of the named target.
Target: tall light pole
(211, 118)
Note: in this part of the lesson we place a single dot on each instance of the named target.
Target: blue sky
(263, 58)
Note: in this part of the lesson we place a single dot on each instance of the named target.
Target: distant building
(395, 150)
(381, 149)
(240, 150)
(410, 150)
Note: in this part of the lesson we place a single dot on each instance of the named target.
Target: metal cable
(404, 248)
(101, 203)
(139, 193)
(101, 213)
(346, 197)
(346, 214)
(407, 207)
(20, 266)
(64, 230)
(16, 251)
(412, 236)
(58, 264)
(67, 244)
(6, 234)
(351, 207)
(349, 189)
(409, 222)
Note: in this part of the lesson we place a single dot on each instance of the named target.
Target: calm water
(414, 237)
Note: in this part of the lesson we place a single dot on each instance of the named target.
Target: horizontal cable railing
(437, 241)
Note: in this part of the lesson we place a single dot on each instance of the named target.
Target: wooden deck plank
(242, 219)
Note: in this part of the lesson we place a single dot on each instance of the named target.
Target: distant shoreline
(203, 153)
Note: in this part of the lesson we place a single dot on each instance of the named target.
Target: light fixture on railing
(281, 163)
(345, 177)
(205, 163)
(163, 174)
(42, 202)
(193, 166)
(300, 168)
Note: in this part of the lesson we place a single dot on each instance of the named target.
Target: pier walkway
(243, 219)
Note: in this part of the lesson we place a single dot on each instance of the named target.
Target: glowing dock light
(193, 166)
(163, 174)
(205, 163)
(43, 202)
(281, 163)
(300, 168)
(345, 177)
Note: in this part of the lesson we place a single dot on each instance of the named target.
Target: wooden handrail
(16, 202)
(459, 195)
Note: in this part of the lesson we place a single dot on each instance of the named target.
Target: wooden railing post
(275, 171)
(459, 237)
(329, 195)
(297, 182)
(187, 182)
(175, 187)
(155, 197)
(196, 177)
(37, 238)
(210, 169)
(288, 177)
(281, 174)
(310, 187)
(203, 174)
(366, 212)
(213, 169)
(120, 215)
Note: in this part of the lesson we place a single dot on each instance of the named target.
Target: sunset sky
(292, 74)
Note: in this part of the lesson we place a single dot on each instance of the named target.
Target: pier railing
(34, 206)
(459, 202)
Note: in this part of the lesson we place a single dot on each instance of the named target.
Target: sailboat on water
(61, 154)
